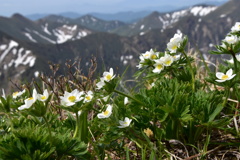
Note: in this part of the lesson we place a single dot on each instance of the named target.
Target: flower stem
(77, 126)
(49, 129)
(235, 60)
(123, 94)
(191, 69)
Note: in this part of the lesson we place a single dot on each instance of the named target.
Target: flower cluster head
(125, 123)
(35, 96)
(231, 39)
(175, 42)
(224, 77)
(147, 56)
(107, 76)
(107, 113)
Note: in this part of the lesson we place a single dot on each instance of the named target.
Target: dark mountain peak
(19, 17)
(203, 5)
(89, 17)
(154, 14)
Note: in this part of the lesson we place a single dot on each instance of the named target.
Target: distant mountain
(96, 24)
(161, 21)
(22, 59)
(35, 16)
(127, 17)
(42, 31)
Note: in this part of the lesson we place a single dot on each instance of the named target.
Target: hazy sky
(25, 7)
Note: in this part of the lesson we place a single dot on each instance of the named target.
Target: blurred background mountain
(28, 43)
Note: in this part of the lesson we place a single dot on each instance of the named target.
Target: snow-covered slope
(162, 21)
(15, 60)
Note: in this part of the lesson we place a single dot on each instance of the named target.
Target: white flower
(126, 100)
(29, 102)
(149, 55)
(88, 96)
(43, 97)
(159, 66)
(142, 60)
(236, 27)
(176, 57)
(106, 113)
(224, 77)
(125, 123)
(108, 76)
(175, 42)
(232, 39)
(17, 94)
(69, 99)
(100, 84)
(167, 60)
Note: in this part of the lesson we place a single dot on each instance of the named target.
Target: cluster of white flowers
(71, 98)
(31, 100)
(107, 76)
(160, 62)
(236, 27)
(175, 42)
(231, 38)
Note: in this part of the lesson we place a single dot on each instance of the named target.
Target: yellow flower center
(88, 98)
(148, 132)
(109, 77)
(153, 56)
(72, 98)
(15, 93)
(106, 113)
(43, 97)
(174, 47)
(159, 66)
(146, 55)
(168, 62)
(224, 77)
(30, 98)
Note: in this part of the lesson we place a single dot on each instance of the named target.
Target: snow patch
(46, 38)
(10, 46)
(3, 47)
(142, 26)
(45, 29)
(28, 35)
(202, 11)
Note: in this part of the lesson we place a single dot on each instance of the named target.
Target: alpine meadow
(165, 86)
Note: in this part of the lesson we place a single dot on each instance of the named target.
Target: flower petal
(219, 75)
(229, 72)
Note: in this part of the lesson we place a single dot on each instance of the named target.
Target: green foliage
(169, 107)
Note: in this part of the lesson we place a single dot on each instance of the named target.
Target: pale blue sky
(26, 7)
